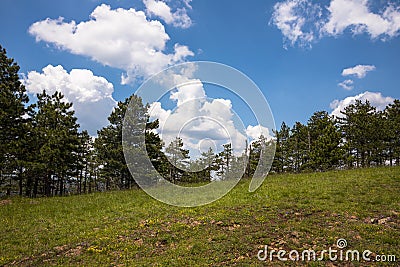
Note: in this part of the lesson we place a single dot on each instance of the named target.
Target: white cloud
(356, 15)
(190, 91)
(292, 16)
(157, 112)
(304, 22)
(187, 3)
(160, 9)
(254, 132)
(360, 70)
(90, 94)
(196, 117)
(347, 84)
(119, 38)
(179, 18)
(375, 99)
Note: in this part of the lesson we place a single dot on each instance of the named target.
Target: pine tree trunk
(61, 185)
(35, 187)
(47, 188)
(85, 179)
(80, 182)
(20, 181)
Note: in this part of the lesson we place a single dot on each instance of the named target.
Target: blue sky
(296, 51)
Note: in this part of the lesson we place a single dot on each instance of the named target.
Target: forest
(43, 151)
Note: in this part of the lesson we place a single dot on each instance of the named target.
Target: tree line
(43, 152)
(361, 137)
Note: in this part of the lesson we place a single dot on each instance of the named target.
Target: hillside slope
(128, 228)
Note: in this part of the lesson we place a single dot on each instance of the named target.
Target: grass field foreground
(129, 228)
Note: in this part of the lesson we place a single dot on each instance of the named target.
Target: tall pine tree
(56, 142)
(392, 130)
(13, 99)
(325, 139)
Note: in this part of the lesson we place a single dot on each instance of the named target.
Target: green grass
(129, 228)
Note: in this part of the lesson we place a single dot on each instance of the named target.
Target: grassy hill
(129, 228)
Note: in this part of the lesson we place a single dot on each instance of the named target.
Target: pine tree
(12, 122)
(179, 160)
(208, 161)
(377, 144)
(140, 144)
(299, 144)
(225, 160)
(282, 161)
(359, 132)
(154, 147)
(252, 156)
(392, 130)
(82, 164)
(55, 132)
(261, 155)
(325, 140)
(109, 148)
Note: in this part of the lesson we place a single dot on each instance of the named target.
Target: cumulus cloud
(196, 118)
(254, 132)
(360, 70)
(90, 94)
(303, 22)
(295, 19)
(347, 84)
(356, 15)
(375, 99)
(179, 18)
(119, 38)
